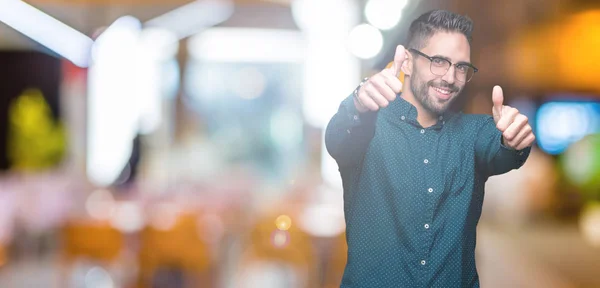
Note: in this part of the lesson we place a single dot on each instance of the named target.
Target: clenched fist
(516, 131)
(380, 89)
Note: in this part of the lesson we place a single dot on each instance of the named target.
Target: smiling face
(436, 93)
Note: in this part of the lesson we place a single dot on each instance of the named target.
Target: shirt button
(423, 262)
(426, 226)
(355, 117)
(520, 153)
(422, 131)
(348, 131)
(430, 190)
(402, 117)
(425, 161)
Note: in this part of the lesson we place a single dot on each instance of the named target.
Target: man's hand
(516, 131)
(381, 88)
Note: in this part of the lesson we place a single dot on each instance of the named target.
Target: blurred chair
(178, 250)
(95, 240)
(3, 255)
(277, 258)
(336, 262)
(98, 242)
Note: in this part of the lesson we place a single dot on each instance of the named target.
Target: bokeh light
(250, 83)
(384, 14)
(127, 217)
(97, 277)
(589, 223)
(164, 216)
(365, 41)
(100, 205)
(283, 222)
(280, 239)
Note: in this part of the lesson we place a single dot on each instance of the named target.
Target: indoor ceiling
(87, 16)
(496, 23)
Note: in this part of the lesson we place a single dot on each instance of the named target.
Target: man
(413, 171)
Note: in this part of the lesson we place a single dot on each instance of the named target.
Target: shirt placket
(427, 190)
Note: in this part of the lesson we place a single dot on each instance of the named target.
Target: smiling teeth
(442, 91)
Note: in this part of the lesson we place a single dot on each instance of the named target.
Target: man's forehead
(451, 45)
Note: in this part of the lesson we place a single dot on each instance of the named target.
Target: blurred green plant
(581, 166)
(35, 140)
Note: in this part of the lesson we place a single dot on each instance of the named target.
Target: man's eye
(438, 61)
(462, 68)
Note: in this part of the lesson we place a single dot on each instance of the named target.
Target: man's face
(436, 93)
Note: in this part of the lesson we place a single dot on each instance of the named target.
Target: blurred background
(178, 143)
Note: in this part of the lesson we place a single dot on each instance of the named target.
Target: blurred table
(547, 255)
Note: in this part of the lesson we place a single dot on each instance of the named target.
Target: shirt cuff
(356, 116)
(520, 155)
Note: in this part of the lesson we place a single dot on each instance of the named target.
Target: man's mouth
(443, 93)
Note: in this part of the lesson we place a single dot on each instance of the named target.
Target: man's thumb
(497, 99)
(399, 59)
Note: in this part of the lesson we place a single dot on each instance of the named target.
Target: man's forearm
(349, 133)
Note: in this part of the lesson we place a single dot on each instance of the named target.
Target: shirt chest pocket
(457, 168)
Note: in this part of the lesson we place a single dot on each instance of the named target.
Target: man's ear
(408, 64)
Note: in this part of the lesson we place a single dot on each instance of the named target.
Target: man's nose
(450, 75)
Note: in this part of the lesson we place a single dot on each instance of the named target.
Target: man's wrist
(357, 103)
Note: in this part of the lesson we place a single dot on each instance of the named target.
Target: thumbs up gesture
(516, 131)
(380, 89)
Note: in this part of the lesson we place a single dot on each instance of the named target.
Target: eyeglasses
(439, 66)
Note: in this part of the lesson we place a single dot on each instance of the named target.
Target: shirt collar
(401, 110)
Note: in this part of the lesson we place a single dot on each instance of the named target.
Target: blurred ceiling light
(42, 28)
(113, 105)
(324, 16)
(159, 43)
(247, 45)
(365, 41)
(193, 17)
(124, 30)
(384, 14)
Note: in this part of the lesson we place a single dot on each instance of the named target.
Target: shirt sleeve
(349, 133)
(492, 156)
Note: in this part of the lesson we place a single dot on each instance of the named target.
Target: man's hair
(422, 28)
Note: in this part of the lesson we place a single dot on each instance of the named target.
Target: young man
(413, 171)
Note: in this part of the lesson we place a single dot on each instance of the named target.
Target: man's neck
(424, 117)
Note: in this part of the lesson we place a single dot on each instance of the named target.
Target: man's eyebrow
(458, 63)
(464, 63)
(441, 56)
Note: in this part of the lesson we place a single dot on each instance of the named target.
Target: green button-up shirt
(413, 195)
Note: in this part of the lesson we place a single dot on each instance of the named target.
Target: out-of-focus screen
(562, 123)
